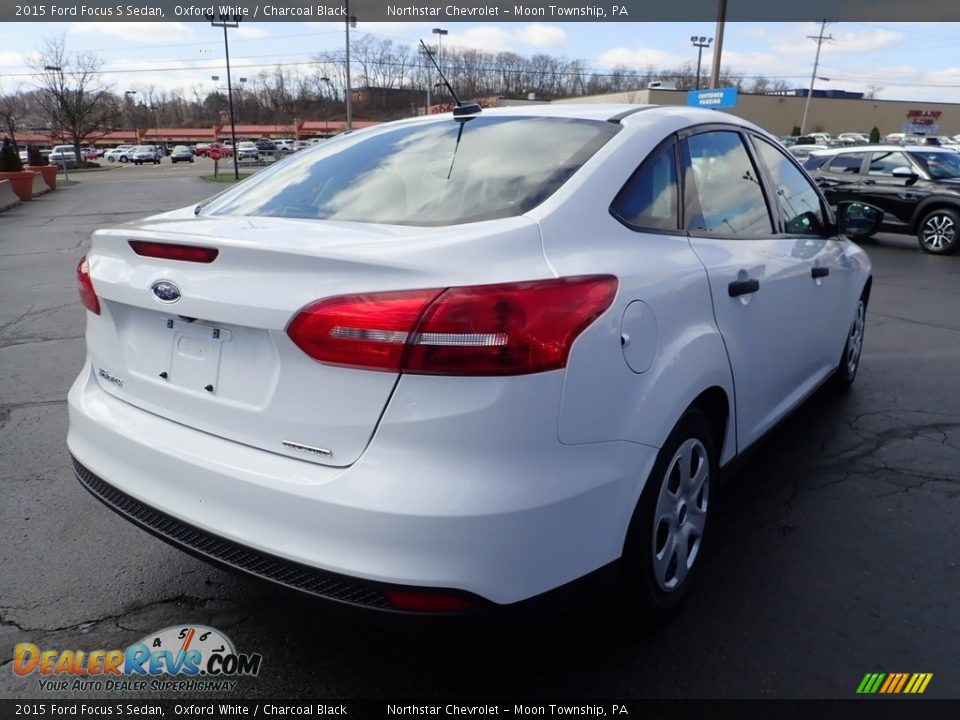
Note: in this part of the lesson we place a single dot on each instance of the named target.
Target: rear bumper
(504, 529)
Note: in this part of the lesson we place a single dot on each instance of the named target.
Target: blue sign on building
(717, 98)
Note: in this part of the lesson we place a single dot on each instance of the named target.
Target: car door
(833, 281)
(840, 177)
(760, 283)
(896, 196)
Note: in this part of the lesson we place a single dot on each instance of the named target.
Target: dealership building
(830, 111)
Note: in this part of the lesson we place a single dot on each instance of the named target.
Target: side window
(798, 200)
(884, 163)
(847, 164)
(650, 198)
(725, 195)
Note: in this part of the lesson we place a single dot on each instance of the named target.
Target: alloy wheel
(939, 232)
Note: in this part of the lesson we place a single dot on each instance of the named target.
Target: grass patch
(224, 177)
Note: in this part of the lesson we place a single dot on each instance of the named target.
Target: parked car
(853, 138)
(788, 140)
(247, 150)
(802, 152)
(145, 154)
(284, 145)
(121, 153)
(89, 153)
(265, 145)
(181, 153)
(201, 149)
(224, 150)
(300, 145)
(449, 387)
(63, 155)
(918, 187)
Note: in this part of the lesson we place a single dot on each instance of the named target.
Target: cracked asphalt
(834, 553)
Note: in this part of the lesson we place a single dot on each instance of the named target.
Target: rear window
(442, 173)
(813, 161)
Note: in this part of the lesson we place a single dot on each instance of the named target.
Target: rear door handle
(819, 272)
(743, 287)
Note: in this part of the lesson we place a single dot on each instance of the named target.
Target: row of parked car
(245, 150)
(802, 146)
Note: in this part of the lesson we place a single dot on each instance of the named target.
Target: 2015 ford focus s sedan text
(458, 362)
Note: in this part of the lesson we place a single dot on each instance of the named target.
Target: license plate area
(195, 350)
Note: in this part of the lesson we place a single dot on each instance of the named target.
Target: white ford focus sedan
(456, 363)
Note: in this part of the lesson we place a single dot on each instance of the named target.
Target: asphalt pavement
(835, 551)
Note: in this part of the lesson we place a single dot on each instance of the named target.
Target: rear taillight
(168, 251)
(88, 295)
(508, 329)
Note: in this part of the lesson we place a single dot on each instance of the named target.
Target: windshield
(441, 173)
(940, 165)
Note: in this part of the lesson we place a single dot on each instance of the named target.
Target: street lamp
(57, 68)
(326, 113)
(440, 32)
(426, 51)
(229, 21)
(700, 42)
(350, 22)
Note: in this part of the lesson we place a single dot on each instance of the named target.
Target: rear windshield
(442, 173)
(940, 165)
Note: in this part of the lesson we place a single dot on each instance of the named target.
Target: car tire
(846, 371)
(939, 232)
(674, 507)
(124, 158)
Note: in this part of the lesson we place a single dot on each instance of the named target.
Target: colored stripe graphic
(894, 683)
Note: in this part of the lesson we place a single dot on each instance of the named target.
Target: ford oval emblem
(166, 291)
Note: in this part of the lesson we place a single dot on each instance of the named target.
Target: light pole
(66, 175)
(425, 51)
(700, 42)
(350, 22)
(229, 21)
(326, 115)
(440, 32)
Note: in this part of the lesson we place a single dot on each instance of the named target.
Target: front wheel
(124, 158)
(665, 543)
(939, 232)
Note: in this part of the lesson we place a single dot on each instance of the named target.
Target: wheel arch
(715, 404)
(929, 205)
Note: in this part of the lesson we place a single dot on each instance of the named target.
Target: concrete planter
(49, 173)
(21, 182)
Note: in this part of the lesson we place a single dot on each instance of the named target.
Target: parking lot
(834, 554)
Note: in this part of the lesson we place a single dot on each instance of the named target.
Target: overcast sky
(909, 61)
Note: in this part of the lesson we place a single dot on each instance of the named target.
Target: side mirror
(855, 219)
(905, 172)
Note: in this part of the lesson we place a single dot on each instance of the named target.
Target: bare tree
(71, 94)
(873, 92)
(13, 111)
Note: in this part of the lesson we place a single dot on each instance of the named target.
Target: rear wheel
(665, 543)
(939, 232)
(124, 158)
(846, 372)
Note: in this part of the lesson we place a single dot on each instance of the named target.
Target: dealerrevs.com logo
(184, 658)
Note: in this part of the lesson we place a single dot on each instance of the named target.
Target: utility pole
(821, 38)
(718, 47)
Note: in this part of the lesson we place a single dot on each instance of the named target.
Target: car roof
(885, 148)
